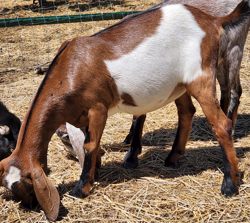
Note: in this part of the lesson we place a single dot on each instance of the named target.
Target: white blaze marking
(13, 176)
(153, 69)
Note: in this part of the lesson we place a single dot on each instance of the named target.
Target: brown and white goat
(135, 66)
(231, 52)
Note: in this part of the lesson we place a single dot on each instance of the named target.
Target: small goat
(135, 66)
(9, 129)
(231, 53)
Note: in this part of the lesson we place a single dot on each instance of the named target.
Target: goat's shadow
(196, 159)
(151, 164)
(201, 131)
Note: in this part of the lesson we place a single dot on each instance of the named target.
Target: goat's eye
(65, 137)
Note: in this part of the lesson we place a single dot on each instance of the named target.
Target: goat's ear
(46, 194)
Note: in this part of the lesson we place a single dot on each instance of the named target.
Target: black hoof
(131, 163)
(77, 190)
(228, 189)
(170, 163)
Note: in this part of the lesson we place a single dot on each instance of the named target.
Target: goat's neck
(35, 134)
(47, 112)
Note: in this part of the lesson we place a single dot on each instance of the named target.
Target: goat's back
(212, 7)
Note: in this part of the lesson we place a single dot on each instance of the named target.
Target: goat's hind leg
(131, 158)
(223, 79)
(235, 58)
(97, 117)
(129, 137)
(186, 112)
(203, 89)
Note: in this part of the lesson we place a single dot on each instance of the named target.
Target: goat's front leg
(203, 89)
(97, 117)
(186, 112)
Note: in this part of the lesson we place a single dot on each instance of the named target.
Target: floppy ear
(46, 194)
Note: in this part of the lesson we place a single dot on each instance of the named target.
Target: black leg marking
(131, 158)
(228, 188)
(84, 178)
(129, 137)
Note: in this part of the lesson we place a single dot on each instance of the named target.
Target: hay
(152, 192)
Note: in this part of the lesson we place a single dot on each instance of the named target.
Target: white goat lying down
(135, 66)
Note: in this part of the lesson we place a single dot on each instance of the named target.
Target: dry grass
(58, 7)
(151, 193)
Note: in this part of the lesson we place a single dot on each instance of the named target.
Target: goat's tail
(241, 12)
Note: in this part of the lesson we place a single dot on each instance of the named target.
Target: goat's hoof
(228, 188)
(130, 163)
(76, 192)
(81, 189)
(173, 163)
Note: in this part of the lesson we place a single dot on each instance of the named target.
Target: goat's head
(29, 183)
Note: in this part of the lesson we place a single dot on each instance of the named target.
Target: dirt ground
(150, 193)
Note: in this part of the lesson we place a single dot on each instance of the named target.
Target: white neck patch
(14, 175)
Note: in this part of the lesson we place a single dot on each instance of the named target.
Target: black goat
(9, 129)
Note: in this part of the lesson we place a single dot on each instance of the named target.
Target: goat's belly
(147, 75)
(148, 102)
